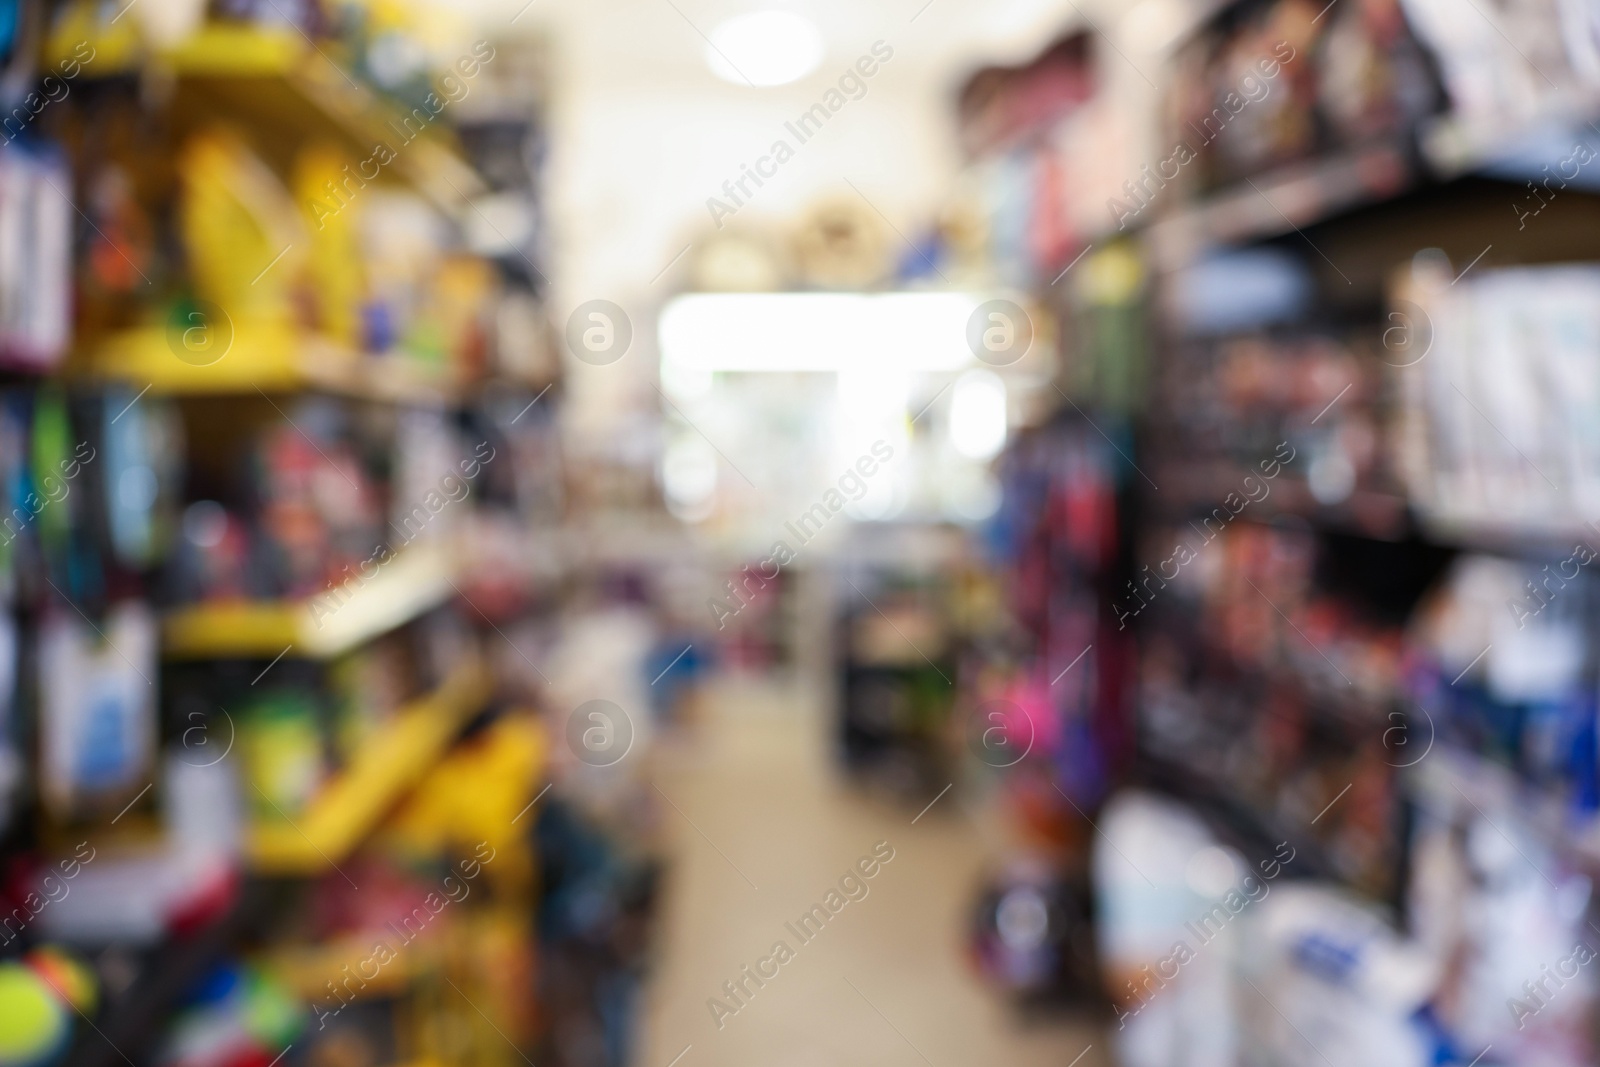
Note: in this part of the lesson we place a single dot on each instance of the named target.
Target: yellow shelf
(218, 631)
(271, 357)
(385, 768)
(413, 582)
(482, 793)
(307, 969)
(222, 50)
(426, 163)
(276, 80)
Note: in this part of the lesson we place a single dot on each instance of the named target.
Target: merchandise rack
(1190, 489)
(348, 807)
(1291, 680)
(264, 358)
(1358, 211)
(459, 756)
(129, 1025)
(1296, 195)
(414, 581)
(1241, 715)
(285, 87)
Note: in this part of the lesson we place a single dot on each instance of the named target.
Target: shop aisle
(759, 831)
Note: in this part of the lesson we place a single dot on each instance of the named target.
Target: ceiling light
(765, 48)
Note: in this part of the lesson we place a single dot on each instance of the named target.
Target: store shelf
(269, 357)
(131, 1020)
(1452, 774)
(1202, 486)
(1291, 197)
(1508, 538)
(1240, 817)
(414, 581)
(349, 808)
(218, 50)
(1347, 710)
(425, 163)
(279, 78)
(306, 969)
(1454, 147)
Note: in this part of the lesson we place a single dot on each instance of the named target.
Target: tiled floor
(761, 830)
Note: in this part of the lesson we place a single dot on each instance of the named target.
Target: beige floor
(759, 829)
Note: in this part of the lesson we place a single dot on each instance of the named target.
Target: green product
(52, 459)
(282, 747)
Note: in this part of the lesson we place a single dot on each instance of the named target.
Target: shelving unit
(129, 1024)
(1193, 488)
(415, 580)
(1341, 572)
(1371, 513)
(282, 85)
(240, 539)
(270, 358)
(346, 809)
(1293, 196)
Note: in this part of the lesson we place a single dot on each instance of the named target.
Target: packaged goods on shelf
(1303, 616)
(1524, 696)
(1500, 432)
(1044, 699)
(1317, 960)
(1049, 147)
(1043, 674)
(1158, 870)
(894, 670)
(1297, 419)
(98, 709)
(594, 919)
(1270, 692)
(1505, 915)
(1516, 65)
(1033, 933)
(11, 754)
(231, 552)
(1060, 536)
(35, 258)
(1269, 83)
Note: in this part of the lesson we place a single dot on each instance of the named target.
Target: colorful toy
(33, 1018)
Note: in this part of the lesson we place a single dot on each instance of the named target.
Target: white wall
(643, 134)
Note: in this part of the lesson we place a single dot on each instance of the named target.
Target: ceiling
(643, 133)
